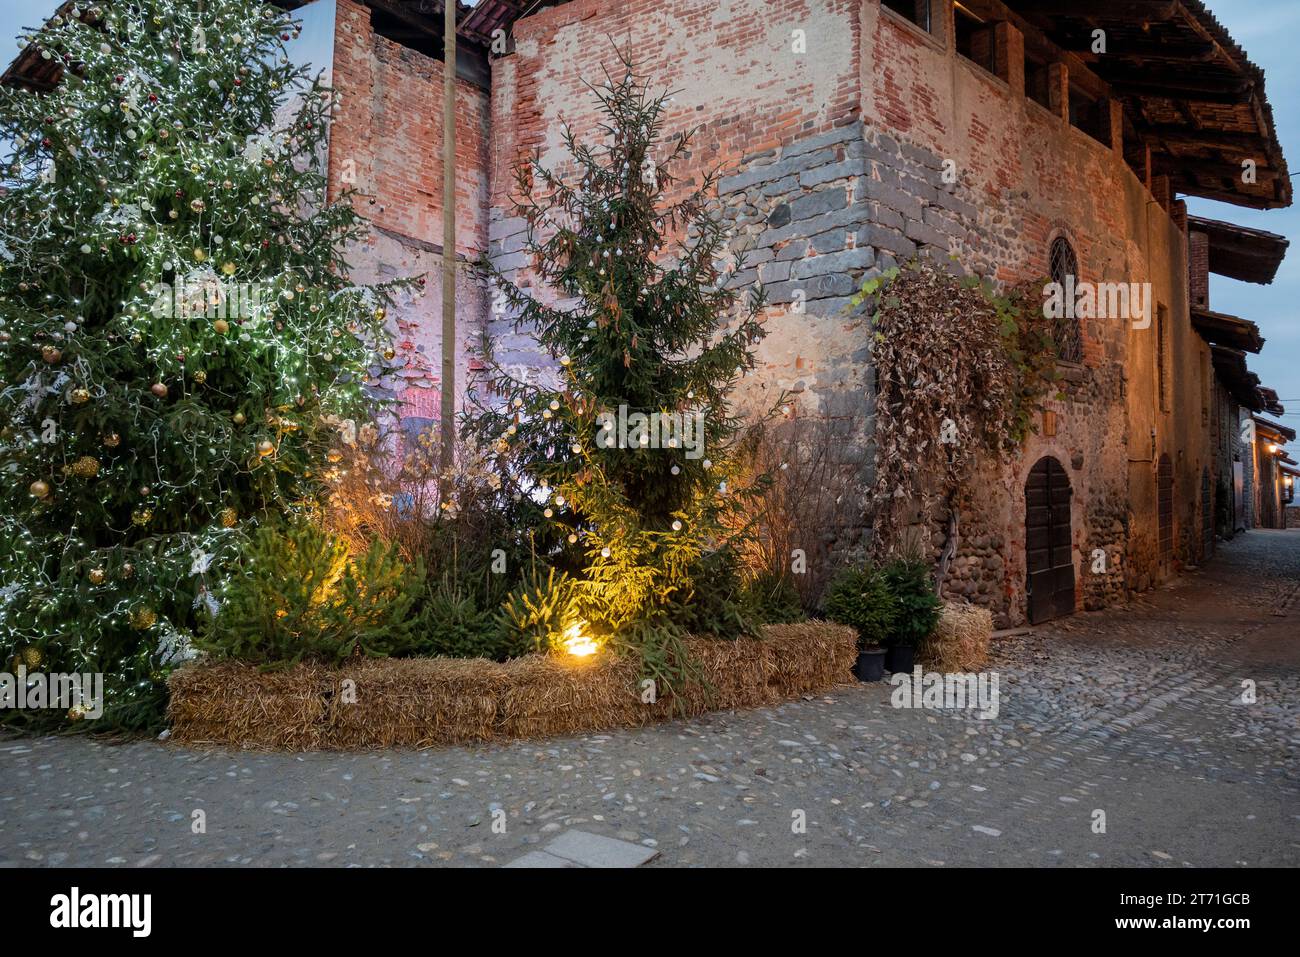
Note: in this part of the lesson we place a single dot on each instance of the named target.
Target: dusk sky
(1264, 28)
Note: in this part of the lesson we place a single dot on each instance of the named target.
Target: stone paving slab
(540, 859)
(593, 850)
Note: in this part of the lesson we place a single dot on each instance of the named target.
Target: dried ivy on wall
(961, 371)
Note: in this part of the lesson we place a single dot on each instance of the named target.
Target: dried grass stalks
(387, 485)
(445, 701)
(960, 642)
(818, 467)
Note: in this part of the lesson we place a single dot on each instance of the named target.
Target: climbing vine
(961, 370)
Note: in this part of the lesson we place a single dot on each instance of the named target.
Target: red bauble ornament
(159, 389)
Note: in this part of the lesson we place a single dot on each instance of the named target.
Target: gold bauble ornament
(200, 377)
(112, 440)
(51, 354)
(142, 516)
(228, 268)
(229, 518)
(265, 447)
(39, 489)
(389, 353)
(380, 313)
(86, 467)
(75, 713)
(31, 656)
(126, 572)
(97, 576)
(221, 326)
(159, 389)
(142, 619)
(200, 256)
(80, 396)
(239, 418)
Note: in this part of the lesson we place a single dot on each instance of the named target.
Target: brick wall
(387, 136)
(1198, 269)
(744, 81)
(733, 62)
(386, 143)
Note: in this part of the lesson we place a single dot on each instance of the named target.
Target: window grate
(1065, 272)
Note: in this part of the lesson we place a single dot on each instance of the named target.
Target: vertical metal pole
(448, 432)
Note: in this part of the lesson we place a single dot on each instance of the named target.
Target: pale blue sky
(1265, 28)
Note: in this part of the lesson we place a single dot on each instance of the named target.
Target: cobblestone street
(1135, 712)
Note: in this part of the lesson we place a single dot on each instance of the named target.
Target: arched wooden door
(1165, 507)
(1048, 543)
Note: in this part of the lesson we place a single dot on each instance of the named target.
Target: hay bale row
(428, 702)
(960, 641)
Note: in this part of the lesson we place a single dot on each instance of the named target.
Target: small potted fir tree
(908, 582)
(860, 597)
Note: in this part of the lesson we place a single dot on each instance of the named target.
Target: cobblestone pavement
(1135, 712)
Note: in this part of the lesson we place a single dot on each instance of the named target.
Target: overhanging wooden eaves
(1272, 404)
(1219, 328)
(1188, 89)
(1273, 430)
(1242, 384)
(1251, 255)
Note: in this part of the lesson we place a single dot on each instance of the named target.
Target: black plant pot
(871, 665)
(899, 658)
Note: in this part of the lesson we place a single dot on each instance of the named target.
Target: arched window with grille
(1064, 263)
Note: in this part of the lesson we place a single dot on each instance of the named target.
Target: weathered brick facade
(386, 145)
(849, 140)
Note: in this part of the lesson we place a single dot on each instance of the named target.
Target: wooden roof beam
(1108, 9)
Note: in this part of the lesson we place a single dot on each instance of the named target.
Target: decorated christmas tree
(623, 459)
(179, 339)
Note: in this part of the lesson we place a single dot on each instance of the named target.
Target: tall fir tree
(648, 322)
(178, 329)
